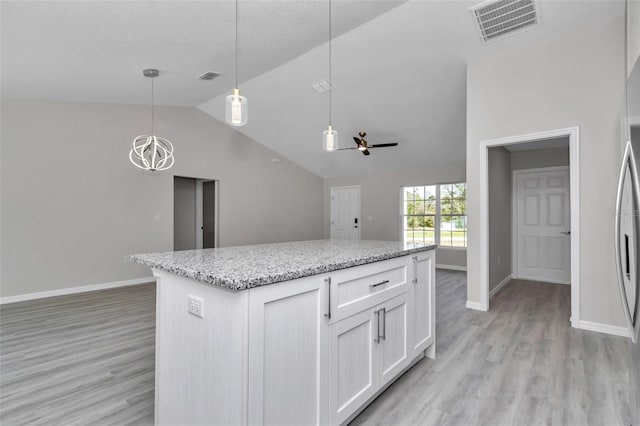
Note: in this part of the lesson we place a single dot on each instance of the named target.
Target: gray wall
(633, 33)
(72, 206)
(539, 158)
(184, 213)
(573, 79)
(380, 194)
(500, 190)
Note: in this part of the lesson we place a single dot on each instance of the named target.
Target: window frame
(437, 216)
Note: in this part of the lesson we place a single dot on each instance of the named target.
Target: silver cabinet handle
(380, 283)
(384, 324)
(377, 338)
(415, 270)
(328, 282)
(627, 161)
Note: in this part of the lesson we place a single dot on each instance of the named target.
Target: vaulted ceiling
(399, 68)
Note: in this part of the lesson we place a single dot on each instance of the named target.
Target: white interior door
(345, 213)
(542, 225)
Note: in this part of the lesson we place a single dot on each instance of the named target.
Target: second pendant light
(236, 104)
(330, 136)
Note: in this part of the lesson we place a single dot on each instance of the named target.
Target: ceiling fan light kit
(149, 152)
(330, 141)
(236, 108)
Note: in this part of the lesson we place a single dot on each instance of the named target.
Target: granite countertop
(243, 267)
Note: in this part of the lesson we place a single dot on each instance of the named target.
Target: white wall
(575, 79)
(73, 206)
(380, 202)
(633, 33)
(499, 215)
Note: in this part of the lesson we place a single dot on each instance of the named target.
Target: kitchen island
(297, 333)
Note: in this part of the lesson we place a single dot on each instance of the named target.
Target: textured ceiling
(95, 51)
(399, 67)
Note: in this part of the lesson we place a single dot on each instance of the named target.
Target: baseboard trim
(474, 305)
(451, 267)
(74, 290)
(539, 280)
(604, 328)
(501, 284)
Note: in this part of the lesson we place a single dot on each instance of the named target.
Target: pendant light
(330, 136)
(151, 153)
(236, 104)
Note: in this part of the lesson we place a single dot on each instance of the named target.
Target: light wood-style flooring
(521, 363)
(89, 360)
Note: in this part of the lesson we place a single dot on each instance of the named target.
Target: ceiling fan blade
(357, 141)
(343, 149)
(382, 145)
(366, 152)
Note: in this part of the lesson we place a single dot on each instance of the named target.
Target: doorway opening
(529, 212)
(195, 215)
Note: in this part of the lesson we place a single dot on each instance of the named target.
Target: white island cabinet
(304, 333)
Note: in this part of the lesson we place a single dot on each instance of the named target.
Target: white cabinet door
(288, 353)
(423, 306)
(353, 364)
(393, 343)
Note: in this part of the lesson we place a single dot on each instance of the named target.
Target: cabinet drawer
(362, 287)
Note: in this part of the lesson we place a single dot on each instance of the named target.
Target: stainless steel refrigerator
(627, 225)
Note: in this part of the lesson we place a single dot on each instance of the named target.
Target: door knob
(566, 232)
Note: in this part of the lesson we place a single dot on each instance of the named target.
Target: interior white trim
(514, 215)
(603, 328)
(501, 284)
(474, 305)
(451, 267)
(74, 290)
(574, 173)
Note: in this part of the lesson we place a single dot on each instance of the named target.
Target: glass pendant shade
(151, 153)
(236, 109)
(330, 139)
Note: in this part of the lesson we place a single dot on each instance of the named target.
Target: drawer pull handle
(380, 283)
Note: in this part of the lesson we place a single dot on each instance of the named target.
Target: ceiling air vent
(497, 19)
(323, 86)
(209, 75)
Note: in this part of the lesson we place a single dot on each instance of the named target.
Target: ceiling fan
(362, 145)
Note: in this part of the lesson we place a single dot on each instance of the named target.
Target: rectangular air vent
(322, 86)
(209, 75)
(496, 19)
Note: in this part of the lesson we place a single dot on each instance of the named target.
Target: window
(435, 214)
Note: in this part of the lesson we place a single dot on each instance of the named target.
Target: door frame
(331, 191)
(573, 133)
(514, 210)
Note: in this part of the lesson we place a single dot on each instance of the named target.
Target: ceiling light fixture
(330, 136)
(151, 153)
(236, 104)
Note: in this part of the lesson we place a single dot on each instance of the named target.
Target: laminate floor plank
(521, 363)
(89, 359)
